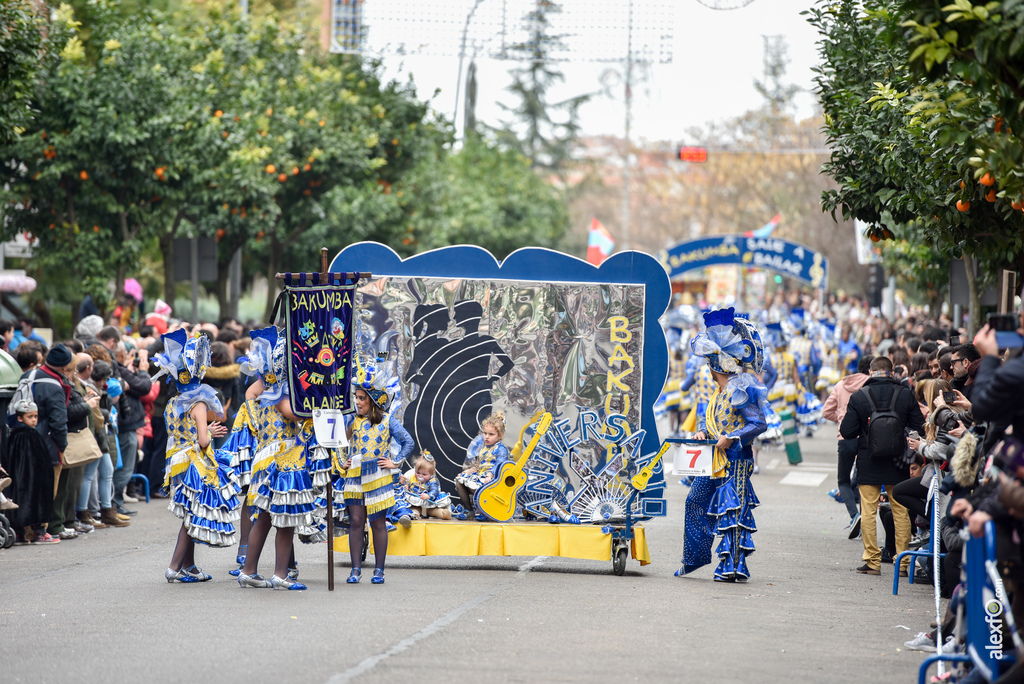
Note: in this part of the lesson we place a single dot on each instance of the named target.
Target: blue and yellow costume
(365, 483)
(486, 460)
(203, 492)
(281, 483)
(722, 504)
(241, 443)
(432, 488)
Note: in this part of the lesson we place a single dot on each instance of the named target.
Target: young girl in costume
(242, 444)
(203, 493)
(723, 503)
(281, 490)
(484, 456)
(369, 486)
(422, 490)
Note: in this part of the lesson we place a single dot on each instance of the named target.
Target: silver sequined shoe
(278, 583)
(253, 580)
(197, 573)
(181, 576)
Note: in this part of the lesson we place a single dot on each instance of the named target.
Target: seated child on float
(484, 458)
(422, 490)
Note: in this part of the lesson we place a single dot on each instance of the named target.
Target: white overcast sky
(716, 58)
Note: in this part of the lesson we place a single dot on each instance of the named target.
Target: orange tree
(86, 176)
(903, 145)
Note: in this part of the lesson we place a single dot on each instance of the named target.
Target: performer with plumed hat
(203, 492)
(722, 504)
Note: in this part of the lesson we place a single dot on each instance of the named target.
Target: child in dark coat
(27, 462)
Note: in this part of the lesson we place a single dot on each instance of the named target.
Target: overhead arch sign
(774, 254)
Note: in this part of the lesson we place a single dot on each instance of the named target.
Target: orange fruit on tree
(270, 111)
(234, 212)
(307, 192)
(987, 180)
(271, 168)
(83, 175)
(225, 134)
(962, 186)
(991, 195)
(875, 237)
(95, 229)
(224, 206)
(295, 171)
(281, 177)
(220, 233)
(1018, 205)
(218, 113)
(307, 167)
(963, 206)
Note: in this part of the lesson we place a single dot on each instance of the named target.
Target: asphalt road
(97, 609)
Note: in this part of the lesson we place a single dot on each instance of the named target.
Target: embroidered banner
(319, 324)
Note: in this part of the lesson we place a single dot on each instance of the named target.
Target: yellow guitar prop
(497, 498)
(640, 480)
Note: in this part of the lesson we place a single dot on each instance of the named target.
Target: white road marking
(369, 663)
(804, 479)
(772, 464)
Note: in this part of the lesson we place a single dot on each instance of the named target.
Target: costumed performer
(281, 492)
(243, 444)
(723, 503)
(203, 493)
(422, 490)
(369, 486)
(484, 458)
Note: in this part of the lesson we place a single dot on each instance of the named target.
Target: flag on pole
(600, 243)
(765, 230)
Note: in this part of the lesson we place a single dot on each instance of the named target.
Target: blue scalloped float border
(542, 265)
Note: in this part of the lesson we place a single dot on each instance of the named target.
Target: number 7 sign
(693, 459)
(329, 425)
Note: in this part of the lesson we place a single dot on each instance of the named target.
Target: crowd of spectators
(955, 410)
(87, 418)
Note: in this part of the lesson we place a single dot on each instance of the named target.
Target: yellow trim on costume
(719, 462)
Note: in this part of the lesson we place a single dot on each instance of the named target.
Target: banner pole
(330, 484)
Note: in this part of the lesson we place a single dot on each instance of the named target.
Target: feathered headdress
(796, 319)
(184, 358)
(775, 335)
(729, 343)
(266, 359)
(373, 381)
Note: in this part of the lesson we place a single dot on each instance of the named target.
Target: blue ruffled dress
(203, 491)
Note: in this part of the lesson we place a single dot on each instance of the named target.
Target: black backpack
(886, 435)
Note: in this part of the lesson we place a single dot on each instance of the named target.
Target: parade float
(573, 354)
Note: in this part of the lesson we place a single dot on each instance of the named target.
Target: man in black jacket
(133, 372)
(874, 471)
(50, 392)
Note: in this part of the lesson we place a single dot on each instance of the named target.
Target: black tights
(184, 555)
(282, 546)
(357, 522)
(465, 495)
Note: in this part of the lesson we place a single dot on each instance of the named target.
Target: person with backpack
(878, 416)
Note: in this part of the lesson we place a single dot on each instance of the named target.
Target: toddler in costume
(203, 493)
(485, 455)
(369, 486)
(423, 491)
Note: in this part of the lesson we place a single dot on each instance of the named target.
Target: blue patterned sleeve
(770, 374)
(692, 364)
(473, 451)
(433, 489)
(404, 438)
(754, 424)
(502, 454)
